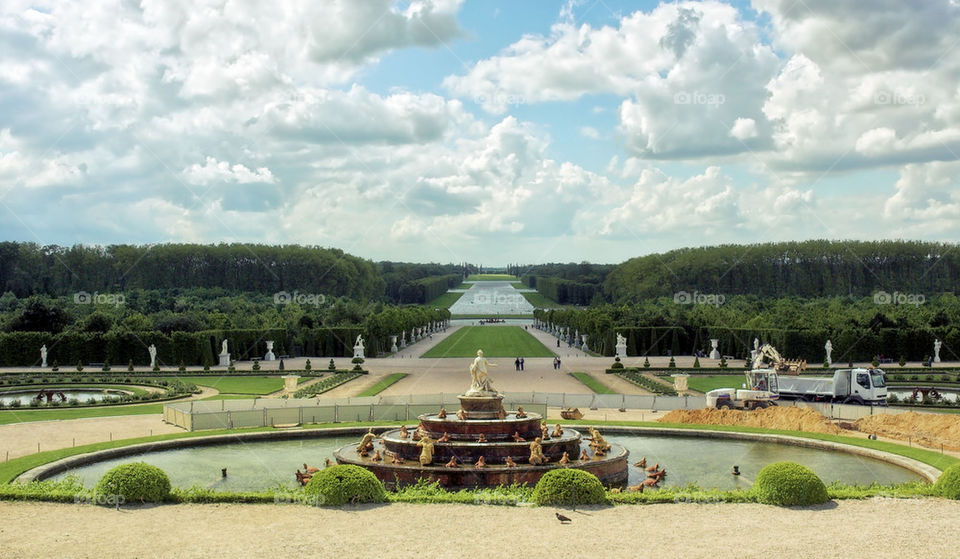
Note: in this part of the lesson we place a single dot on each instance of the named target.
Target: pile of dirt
(927, 429)
(774, 417)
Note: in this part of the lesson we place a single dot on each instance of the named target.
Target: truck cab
(759, 391)
(866, 386)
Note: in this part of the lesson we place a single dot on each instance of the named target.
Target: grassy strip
(647, 384)
(445, 300)
(593, 384)
(384, 383)
(706, 384)
(237, 385)
(326, 384)
(469, 316)
(539, 301)
(25, 415)
(493, 277)
(496, 341)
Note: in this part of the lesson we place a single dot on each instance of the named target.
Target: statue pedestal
(224, 359)
(481, 405)
(269, 356)
(290, 383)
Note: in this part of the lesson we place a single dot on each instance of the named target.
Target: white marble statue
(358, 348)
(152, 350)
(621, 346)
(393, 344)
(755, 350)
(223, 348)
(584, 347)
(714, 352)
(43, 355)
(224, 354)
(936, 350)
(828, 347)
(482, 384)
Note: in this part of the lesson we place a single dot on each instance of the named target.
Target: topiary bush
(137, 481)
(346, 483)
(568, 486)
(789, 484)
(948, 485)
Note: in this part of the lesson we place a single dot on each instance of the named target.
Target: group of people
(556, 363)
(518, 363)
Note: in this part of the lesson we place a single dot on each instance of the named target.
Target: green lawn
(492, 277)
(384, 383)
(706, 384)
(238, 385)
(593, 384)
(539, 301)
(444, 301)
(495, 341)
(26, 414)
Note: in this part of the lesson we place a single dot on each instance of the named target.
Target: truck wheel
(725, 405)
(854, 400)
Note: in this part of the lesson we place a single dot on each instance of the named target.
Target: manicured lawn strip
(237, 385)
(231, 397)
(495, 341)
(492, 277)
(539, 301)
(593, 384)
(444, 301)
(518, 285)
(24, 415)
(384, 383)
(469, 316)
(706, 384)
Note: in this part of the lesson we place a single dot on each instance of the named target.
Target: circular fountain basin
(263, 464)
(83, 395)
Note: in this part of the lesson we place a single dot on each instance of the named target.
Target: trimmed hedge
(948, 485)
(137, 481)
(568, 486)
(789, 484)
(346, 483)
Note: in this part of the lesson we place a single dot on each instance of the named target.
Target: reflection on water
(262, 465)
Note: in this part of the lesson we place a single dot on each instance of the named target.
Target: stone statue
(43, 355)
(620, 339)
(714, 352)
(426, 452)
(536, 453)
(359, 341)
(481, 380)
(152, 350)
(621, 347)
(358, 347)
(223, 348)
(366, 443)
(829, 349)
(599, 445)
(269, 355)
(936, 350)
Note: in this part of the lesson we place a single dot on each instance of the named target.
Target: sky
(490, 132)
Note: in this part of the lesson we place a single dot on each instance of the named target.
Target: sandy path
(843, 529)
(21, 438)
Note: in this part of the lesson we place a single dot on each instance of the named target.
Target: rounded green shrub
(568, 486)
(346, 483)
(788, 484)
(137, 481)
(948, 485)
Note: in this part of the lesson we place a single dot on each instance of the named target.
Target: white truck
(760, 391)
(846, 386)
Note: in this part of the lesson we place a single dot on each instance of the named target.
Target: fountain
(484, 445)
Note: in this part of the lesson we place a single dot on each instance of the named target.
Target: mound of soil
(928, 429)
(774, 417)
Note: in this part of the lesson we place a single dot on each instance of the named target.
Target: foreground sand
(874, 528)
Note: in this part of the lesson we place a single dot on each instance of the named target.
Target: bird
(310, 469)
(562, 519)
(642, 463)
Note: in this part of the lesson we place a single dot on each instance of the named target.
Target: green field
(539, 301)
(384, 383)
(239, 385)
(495, 341)
(26, 414)
(706, 384)
(593, 384)
(492, 277)
(444, 301)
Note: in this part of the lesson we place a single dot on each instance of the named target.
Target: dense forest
(802, 269)
(568, 284)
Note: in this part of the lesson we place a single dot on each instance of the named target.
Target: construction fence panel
(283, 416)
(319, 414)
(353, 413)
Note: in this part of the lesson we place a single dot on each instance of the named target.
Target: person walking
(516, 364)
(558, 342)
(521, 363)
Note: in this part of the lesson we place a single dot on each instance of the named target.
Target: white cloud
(589, 132)
(744, 129)
(221, 171)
